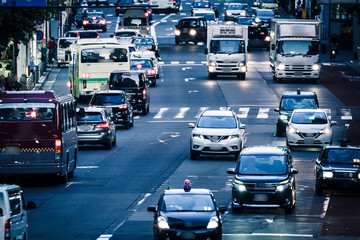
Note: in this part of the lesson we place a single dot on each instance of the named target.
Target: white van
(13, 218)
(63, 45)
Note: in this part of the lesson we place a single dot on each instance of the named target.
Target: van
(13, 218)
(191, 29)
(63, 45)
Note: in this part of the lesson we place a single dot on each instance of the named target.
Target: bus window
(104, 55)
(27, 111)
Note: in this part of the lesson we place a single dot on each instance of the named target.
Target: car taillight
(7, 229)
(146, 14)
(144, 94)
(206, 6)
(151, 71)
(93, 17)
(103, 21)
(85, 75)
(123, 106)
(58, 146)
(86, 22)
(103, 125)
(262, 33)
(147, 29)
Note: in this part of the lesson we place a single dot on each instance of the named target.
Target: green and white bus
(92, 61)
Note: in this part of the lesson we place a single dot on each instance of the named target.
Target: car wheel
(212, 76)
(194, 155)
(143, 111)
(319, 190)
(148, 109)
(132, 121)
(153, 83)
(59, 65)
(63, 178)
(104, 29)
(114, 141)
(243, 76)
(195, 42)
(177, 42)
(288, 209)
(108, 144)
(236, 156)
(279, 132)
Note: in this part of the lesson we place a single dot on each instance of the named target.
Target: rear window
(88, 35)
(125, 34)
(15, 202)
(27, 111)
(91, 117)
(107, 99)
(65, 43)
(140, 63)
(289, 104)
(126, 80)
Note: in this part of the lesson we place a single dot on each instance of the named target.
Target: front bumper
(317, 140)
(189, 234)
(224, 147)
(346, 181)
(188, 38)
(297, 74)
(227, 69)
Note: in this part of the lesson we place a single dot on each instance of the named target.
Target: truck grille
(298, 67)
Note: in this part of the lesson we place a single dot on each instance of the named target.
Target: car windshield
(187, 203)
(293, 48)
(188, 23)
(144, 41)
(107, 99)
(27, 111)
(140, 63)
(265, 14)
(126, 80)
(341, 156)
(237, 7)
(262, 165)
(309, 118)
(269, 1)
(90, 117)
(217, 122)
(88, 35)
(227, 46)
(104, 55)
(125, 34)
(201, 4)
(289, 104)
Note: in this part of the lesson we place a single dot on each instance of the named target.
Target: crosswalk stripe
(182, 112)
(263, 113)
(328, 113)
(200, 111)
(243, 112)
(161, 112)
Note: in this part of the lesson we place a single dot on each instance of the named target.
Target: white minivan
(13, 218)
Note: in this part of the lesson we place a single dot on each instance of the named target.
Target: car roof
(264, 10)
(310, 110)
(217, 113)
(6, 187)
(257, 150)
(238, 4)
(144, 54)
(129, 71)
(109, 91)
(342, 148)
(193, 191)
(192, 18)
(301, 94)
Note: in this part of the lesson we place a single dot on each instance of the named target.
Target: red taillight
(139, 66)
(86, 22)
(103, 21)
(174, 2)
(262, 33)
(144, 94)
(93, 17)
(7, 229)
(85, 75)
(147, 29)
(58, 146)
(103, 125)
(151, 71)
(206, 6)
(146, 14)
(123, 106)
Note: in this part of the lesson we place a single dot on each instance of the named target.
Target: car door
(17, 213)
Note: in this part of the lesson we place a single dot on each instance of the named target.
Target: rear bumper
(31, 169)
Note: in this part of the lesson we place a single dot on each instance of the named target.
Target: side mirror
(222, 209)
(333, 123)
(206, 51)
(294, 171)
(318, 162)
(276, 110)
(151, 209)
(191, 125)
(111, 35)
(242, 126)
(272, 46)
(159, 58)
(30, 205)
(176, 26)
(80, 112)
(277, 16)
(230, 170)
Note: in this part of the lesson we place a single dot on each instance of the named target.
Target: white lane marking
(186, 68)
(175, 62)
(243, 112)
(104, 237)
(193, 91)
(271, 234)
(183, 14)
(203, 62)
(325, 207)
(201, 111)
(109, 22)
(87, 167)
(161, 63)
(182, 112)
(188, 3)
(346, 114)
(143, 199)
(189, 79)
(163, 121)
(162, 14)
(161, 112)
(326, 64)
(190, 62)
(163, 21)
(263, 113)
(137, 117)
(174, 21)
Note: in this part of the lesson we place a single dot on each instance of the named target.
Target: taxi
(187, 214)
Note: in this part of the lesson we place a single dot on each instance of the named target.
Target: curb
(42, 80)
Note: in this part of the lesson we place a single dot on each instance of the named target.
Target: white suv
(13, 218)
(217, 132)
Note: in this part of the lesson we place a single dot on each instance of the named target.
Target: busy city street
(109, 195)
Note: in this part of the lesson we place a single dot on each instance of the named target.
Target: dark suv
(264, 177)
(291, 100)
(135, 85)
(117, 106)
(258, 37)
(191, 29)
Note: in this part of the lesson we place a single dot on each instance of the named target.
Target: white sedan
(309, 127)
(147, 54)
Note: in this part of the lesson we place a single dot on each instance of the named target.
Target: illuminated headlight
(243, 68)
(243, 13)
(328, 174)
(283, 117)
(213, 223)
(257, 20)
(283, 185)
(177, 32)
(293, 130)
(315, 67)
(281, 66)
(162, 223)
(228, 13)
(192, 32)
(211, 69)
(325, 131)
(213, 64)
(267, 38)
(241, 64)
(280, 188)
(234, 136)
(199, 136)
(358, 175)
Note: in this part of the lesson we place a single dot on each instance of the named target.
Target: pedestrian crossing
(183, 114)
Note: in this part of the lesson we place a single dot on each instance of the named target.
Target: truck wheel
(193, 155)
(212, 76)
(176, 42)
(242, 75)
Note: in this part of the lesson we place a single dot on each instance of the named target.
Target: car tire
(62, 179)
(148, 109)
(132, 121)
(143, 111)
(279, 132)
(319, 190)
(177, 42)
(195, 42)
(104, 29)
(194, 155)
(153, 83)
(114, 141)
(212, 76)
(243, 76)
(288, 209)
(108, 144)
(59, 65)
(236, 156)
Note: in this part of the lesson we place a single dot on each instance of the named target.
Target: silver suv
(217, 132)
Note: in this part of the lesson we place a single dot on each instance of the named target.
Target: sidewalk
(43, 78)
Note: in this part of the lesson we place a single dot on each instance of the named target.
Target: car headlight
(283, 117)
(213, 223)
(358, 175)
(267, 38)
(281, 66)
(243, 13)
(213, 64)
(283, 185)
(325, 131)
(177, 32)
(228, 13)
(293, 130)
(328, 174)
(257, 20)
(199, 136)
(192, 32)
(315, 67)
(234, 136)
(162, 223)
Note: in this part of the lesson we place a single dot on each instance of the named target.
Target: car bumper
(189, 234)
(31, 169)
(94, 26)
(297, 140)
(231, 70)
(297, 74)
(207, 147)
(188, 38)
(93, 138)
(339, 184)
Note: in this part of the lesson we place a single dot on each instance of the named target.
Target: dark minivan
(135, 84)
(191, 29)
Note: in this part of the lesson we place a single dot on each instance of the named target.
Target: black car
(135, 85)
(264, 16)
(191, 29)
(258, 37)
(291, 100)
(96, 127)
(117, 106)
(147, 65)
(95, 20)
(337, 168)
(264, 177)
(187, 214)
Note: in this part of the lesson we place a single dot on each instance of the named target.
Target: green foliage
(19, 24)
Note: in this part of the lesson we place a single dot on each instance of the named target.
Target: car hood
(235, 11)
(216, 131)
(261, 178)
(309, 128)
(341, 167)
(188, 220)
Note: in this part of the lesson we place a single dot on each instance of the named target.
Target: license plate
(84, 127)
(226, 69)
(188, 235)
(185, 30)
(260, 198)
(308, 140)
(12, 150)
(298, 74)
(215, 147)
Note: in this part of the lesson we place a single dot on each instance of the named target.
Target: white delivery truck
(226, 50)
(295, 49)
